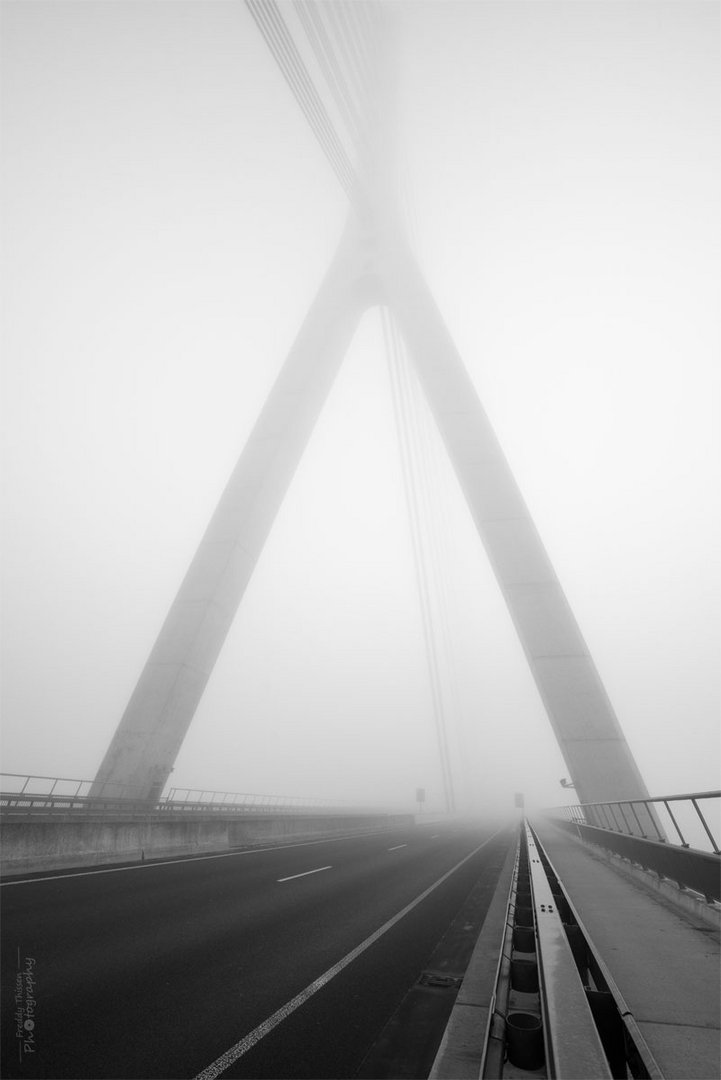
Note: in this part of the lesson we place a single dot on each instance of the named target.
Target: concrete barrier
(27, 847)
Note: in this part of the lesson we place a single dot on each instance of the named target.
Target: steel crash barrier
(556, 1010)
(678, 820)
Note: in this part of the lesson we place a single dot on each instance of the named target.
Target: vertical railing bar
(651, 813)
(675, 823)
(703, 822)
(612, 807)
(638, 820)
(623, 815)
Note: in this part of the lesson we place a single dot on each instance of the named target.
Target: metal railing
(673, 857)
(32, 786)
(22, 793)
(219, 800)
(681, 828)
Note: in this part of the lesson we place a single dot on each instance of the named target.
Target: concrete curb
(461, 1051)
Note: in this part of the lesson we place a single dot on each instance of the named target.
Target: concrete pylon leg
(152, 729)
(588, 732)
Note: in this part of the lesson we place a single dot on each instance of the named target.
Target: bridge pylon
(373, 265)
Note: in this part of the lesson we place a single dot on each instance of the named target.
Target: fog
(168, 217)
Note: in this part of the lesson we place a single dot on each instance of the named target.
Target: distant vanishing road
(206, 965)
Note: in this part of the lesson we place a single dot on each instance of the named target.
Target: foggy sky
(168, 217)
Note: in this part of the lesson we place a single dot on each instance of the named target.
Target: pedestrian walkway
(664, 960)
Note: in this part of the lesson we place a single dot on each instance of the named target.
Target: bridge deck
(664, 960)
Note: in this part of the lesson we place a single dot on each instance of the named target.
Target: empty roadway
(160, 969)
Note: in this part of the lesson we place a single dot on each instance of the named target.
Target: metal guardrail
(556, 1011)
(690, 867)
(36, 795)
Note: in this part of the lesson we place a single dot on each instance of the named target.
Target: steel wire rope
(431, 467)
(418, 560)
(315, 110)
(429, 463)
(327, 61)
(337, 23)
(305, 102)
(367, 37)
(412, 504)
(303, 88)
(359, 47)
(358, 44)
(439, 538)
(409, 405)
(288, 59)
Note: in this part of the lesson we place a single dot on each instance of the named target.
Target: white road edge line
(249, 1041)
(191, 858)
(304, 874)
(397, 847)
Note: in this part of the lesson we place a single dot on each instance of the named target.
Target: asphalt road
(160, 970)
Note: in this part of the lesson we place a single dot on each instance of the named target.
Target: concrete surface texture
(28, 847)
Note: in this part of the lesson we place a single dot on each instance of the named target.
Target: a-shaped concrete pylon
(371, 267)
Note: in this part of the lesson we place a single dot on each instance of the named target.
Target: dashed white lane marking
(304, 874)
(192, 858)
(397, 847)
(435, 836)
(249, 1041)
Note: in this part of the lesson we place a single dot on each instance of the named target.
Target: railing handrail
(649, 799)
(602, 815)
(114, 798)
(205, 795)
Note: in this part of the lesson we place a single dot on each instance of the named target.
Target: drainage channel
(556, 1011)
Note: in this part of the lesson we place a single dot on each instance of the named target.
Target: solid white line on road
(397, 847)
(249, 1041)
(304, 874)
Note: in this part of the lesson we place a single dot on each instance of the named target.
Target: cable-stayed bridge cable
(285, 52)
(413, 502)
(426, 517)
(331, 70)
